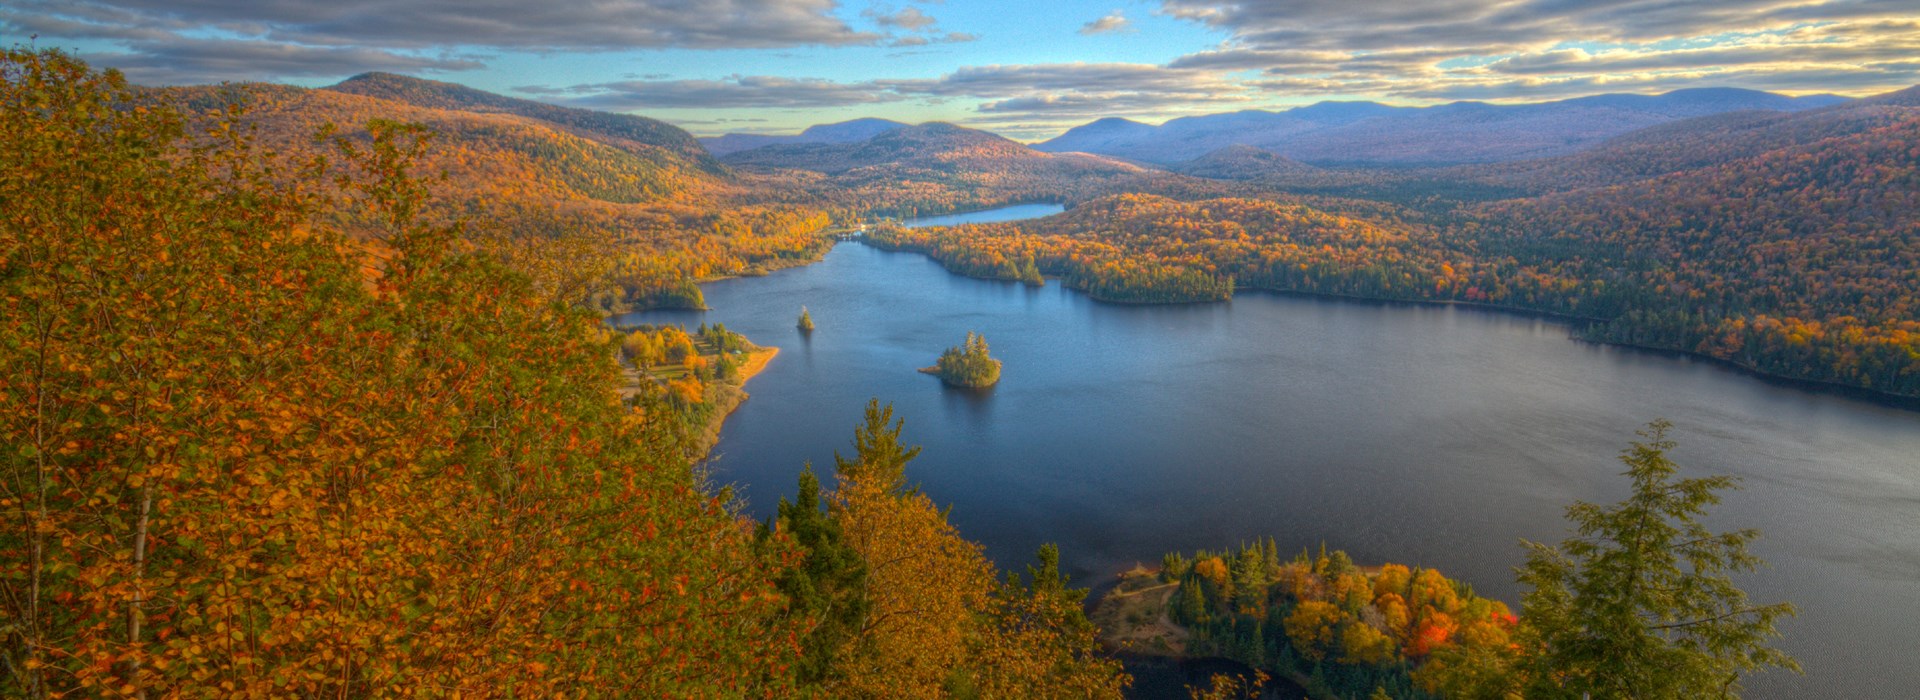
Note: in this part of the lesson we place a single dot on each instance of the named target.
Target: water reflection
(1435, 436)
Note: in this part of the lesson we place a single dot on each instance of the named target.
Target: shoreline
(1574, 322)
(1134, 622)
(727, 398)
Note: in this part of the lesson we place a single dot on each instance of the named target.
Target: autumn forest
(319, 391)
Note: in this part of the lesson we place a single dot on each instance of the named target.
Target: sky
(1024, 68)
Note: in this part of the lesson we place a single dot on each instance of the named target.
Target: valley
(388, 385)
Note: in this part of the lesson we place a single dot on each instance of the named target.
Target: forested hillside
(843, 132)
(1802, 260)
(433, 94)
(252, 453)
(936, 168)
(624, 210)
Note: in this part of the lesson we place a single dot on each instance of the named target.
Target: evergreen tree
(1638, 604)
(878, 455)
(826, 587)
(968, 365)
(806, 320)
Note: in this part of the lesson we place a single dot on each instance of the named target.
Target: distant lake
(1427, 435)
(987, 216)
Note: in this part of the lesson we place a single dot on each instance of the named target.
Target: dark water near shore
(1427, 435)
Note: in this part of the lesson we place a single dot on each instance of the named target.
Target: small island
(968, 365)
(806, 321)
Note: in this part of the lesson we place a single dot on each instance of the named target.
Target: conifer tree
(878, 455)
(1638, 603)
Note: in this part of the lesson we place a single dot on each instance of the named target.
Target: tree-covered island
(967, 365)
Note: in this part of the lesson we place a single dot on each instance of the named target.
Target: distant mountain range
(923, 145)
(842, 132)
(1369, 133)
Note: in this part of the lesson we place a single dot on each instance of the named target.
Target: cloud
(193, 62)
(734, 92)
(1500, 49)
(500, 24)
(926, 39)
(175, 39)
(1078, 89)
(1115, 21)
(1100, 78)
(910, 19)
(1361, 25)
(1125, 103)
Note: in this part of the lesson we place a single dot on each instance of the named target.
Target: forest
(298, 408)
(252, 455)
(1778, 269)
(1636, 605)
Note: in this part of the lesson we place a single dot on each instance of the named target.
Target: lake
(987, 216)
(1429, 435)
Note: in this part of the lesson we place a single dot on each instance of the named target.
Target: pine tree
(826, 588)
(806, 320)
(1638, 604)
(878, 455)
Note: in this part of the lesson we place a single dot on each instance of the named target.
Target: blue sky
(1027, 68)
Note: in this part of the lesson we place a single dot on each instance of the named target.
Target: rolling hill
(1242, 163)
(573, 195)
(935, 168)
(600, 126)
(842, 132)
(1699, 142)
(1371, 134)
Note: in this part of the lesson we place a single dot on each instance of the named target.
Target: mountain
(1909, 97)
(603, 126)
(1698, 143)
(841, 132)
(1801, 260)
(1372, 134)
(911, 145)
(1333, 113)
(1187, 137)
(1241, 163)
(1099, 136)
(935, 168)
(635, 199)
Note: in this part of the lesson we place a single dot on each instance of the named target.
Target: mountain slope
(1241, 163)
(1100, 136)
(603, 126)
(578, 198)
(1695, 143)
(1802, 261)
(840, 132)
(925, 144)
(934, 168)
(1371, 134)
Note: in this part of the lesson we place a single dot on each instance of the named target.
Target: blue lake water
(988, 216)
(1427, 435)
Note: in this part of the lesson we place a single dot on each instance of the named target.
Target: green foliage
(827, 588)
(806, 320)
(1638, 603)
(968, 365)
(879, 457)
(679, 294)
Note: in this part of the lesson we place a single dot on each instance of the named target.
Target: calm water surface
(988, 216)
(1426, 435)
